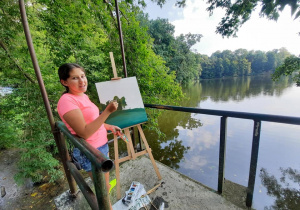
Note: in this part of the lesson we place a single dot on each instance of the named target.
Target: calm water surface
(191, 144)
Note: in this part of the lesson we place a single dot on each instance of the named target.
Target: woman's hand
(112, 106)
(114, 129)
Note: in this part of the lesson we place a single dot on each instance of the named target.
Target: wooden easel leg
(130, 148)
(117, 167)
(149, 151)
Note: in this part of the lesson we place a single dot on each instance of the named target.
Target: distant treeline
(190, 65)
(241, 62)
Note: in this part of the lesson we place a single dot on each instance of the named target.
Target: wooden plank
(113, 65)
(124, 159)
(129, 144)
(141, 153)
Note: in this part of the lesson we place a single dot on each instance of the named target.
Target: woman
(81, 116)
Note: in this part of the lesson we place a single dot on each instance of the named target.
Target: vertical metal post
(253, 163)
(37, 70)
(64, 155)
(100, 188)
(84, 187)
(35, 63)
(222, 153)
(121, 39)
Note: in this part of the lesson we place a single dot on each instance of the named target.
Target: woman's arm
(76, 121)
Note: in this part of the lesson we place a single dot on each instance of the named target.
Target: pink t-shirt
(90, 111)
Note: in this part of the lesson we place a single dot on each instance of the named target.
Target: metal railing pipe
(222, 153)
(35, 64)
(95, 156)
(258, 118)
(64, 155)
(121, 38)
(100, 188)
(243, 115)
(83, 186)
(253, 163)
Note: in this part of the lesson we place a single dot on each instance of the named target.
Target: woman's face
(76, 82)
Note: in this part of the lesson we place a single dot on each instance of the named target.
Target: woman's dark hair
(64, 72)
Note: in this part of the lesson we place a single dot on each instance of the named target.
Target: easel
(130, 150)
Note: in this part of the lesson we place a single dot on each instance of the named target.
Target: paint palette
(132, 193)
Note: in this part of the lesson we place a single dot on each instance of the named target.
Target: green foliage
(290, 66)
(28, 129)
(241, 62)
(68, 31)
(179, 3)
(156, 84)
(239, 12)
(175, 51)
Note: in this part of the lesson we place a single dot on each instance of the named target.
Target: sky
(256, 34)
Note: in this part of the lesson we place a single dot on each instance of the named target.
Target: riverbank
(30, 195)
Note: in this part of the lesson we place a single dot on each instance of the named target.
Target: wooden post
(130, 145)
(113, 65)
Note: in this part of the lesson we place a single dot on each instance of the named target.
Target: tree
(68, 31)
(163, 34)
(271, 60)
(23, 118)
(241, 62)
(244, 67)
(176, 51)
(207, 67)
(258, 62)
(238, 12)
(291, 65)
(179, 3)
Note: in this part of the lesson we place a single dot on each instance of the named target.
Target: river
(191, 142)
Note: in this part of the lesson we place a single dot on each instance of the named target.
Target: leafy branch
(16, 63)
(291, 65)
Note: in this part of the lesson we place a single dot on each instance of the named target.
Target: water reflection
(191, 142)
(239, 88)
(282, 189)
(169, 149)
